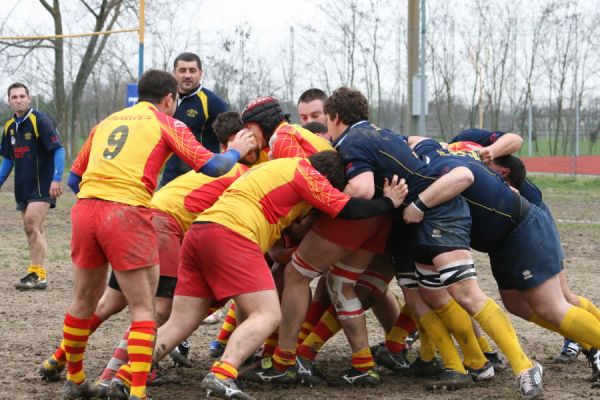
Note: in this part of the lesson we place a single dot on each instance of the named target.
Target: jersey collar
(187, 96)
(340, 139)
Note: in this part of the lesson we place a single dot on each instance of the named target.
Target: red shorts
(369, 234)
(218, 263)
(169, 237)
(107, 232)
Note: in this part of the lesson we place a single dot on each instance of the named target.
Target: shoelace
(526, 382)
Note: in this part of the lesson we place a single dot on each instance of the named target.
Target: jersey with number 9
(122, 157)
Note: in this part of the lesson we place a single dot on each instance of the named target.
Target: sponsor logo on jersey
(27, 135)
(191, 113)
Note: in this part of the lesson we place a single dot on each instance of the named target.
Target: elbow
(464, 178)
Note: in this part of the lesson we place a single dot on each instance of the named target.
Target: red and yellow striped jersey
(269, 197)
(124, 153)
(191, 193)
(290, 141)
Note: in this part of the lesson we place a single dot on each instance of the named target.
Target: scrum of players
(336, 200)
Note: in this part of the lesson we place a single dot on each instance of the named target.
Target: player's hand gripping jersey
(289, 141)
(124, 153)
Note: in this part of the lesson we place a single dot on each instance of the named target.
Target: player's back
(125, 156)
(290, 141)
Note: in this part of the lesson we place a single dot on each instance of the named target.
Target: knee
(30, 227)
(343, 297)
(299, 272)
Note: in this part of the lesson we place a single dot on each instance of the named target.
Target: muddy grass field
(31, 322)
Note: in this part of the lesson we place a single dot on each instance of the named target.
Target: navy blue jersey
(485, 138)
(480, 136)
(198, 110)
(364, 147)
(493, 205)
(30, 144)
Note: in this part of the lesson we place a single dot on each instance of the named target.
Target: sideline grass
(566, 183)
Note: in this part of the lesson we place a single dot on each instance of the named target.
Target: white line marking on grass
(574, 221)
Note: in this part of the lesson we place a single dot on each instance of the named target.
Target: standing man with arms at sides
(197, 107)
(310, 106)
(111, 222)
(31, 144)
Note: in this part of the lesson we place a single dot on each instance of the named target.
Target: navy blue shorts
(529, 255)
(22, 205)
(444, 228)
(401, 244)
(546, 210)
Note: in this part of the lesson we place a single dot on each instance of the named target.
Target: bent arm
(447, 187)
(220, 164)
(73, 182)
(357, 208)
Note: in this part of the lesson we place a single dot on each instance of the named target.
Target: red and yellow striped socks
(363, 360)
(314, 314)
(224, 370)
(282, 359)
(322, 332)
(403, 326)
(228, 326)
(119, 358)
(140, 346)
(59, 356)
(270, 345)
(76, 332)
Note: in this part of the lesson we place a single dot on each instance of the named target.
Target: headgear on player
(266, 112)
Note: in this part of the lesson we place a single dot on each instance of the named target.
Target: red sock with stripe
(363, 360)
(228, 326)
(119, 358)
(224, 370)
(76, 332)
(140, 347)
(314, 314)
(283, 359)
(270, 345)
(327, 327)
(403, 326)
(59, 355)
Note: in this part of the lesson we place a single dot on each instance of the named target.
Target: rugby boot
(117, 390)
(31, 281)
(529, 383)
(498, 363)
(306, 373)
(216, 349)
(412, 338)
(425, 369)
(395, 362)
(593, 357)
(73, 391)
(102, 389)
(50, 370)
(355, 377)
(264, 372)
(450, 379)
(569, 352)
(482, 374)
(223, 388)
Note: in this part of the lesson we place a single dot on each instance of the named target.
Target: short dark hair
(517, 172)
(312, 94)
(187, 57)
(17, 85)
(348, 104)
(315, 127)
(330, 164)
(227, 124)
(156, 84)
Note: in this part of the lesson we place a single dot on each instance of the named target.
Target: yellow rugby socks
(439, 335)
(498, 326)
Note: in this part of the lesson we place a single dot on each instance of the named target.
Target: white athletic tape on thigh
(428, 279)
(345, 308)
(457, 271)
(374, 281)
(303, 267)
(407, 280)
(346, 273)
